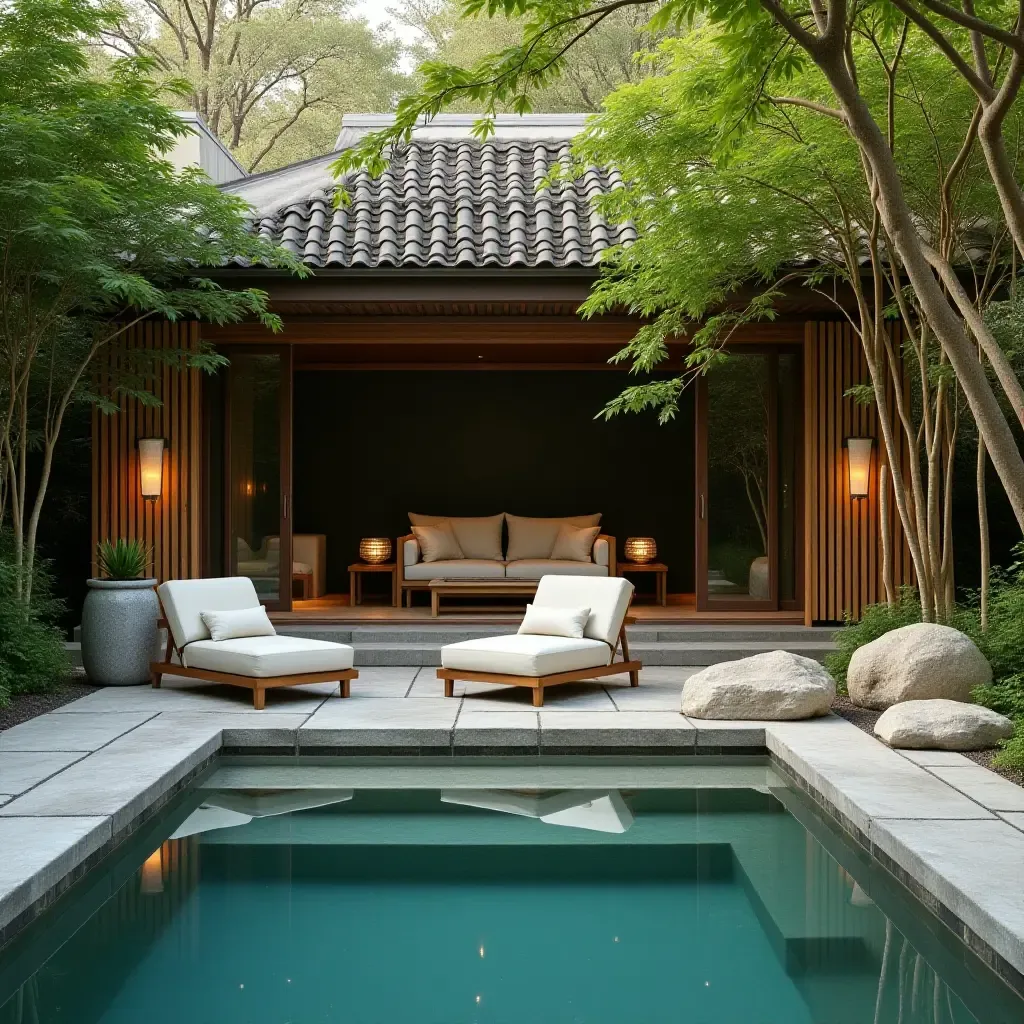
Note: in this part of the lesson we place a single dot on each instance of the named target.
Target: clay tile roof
(446, 200)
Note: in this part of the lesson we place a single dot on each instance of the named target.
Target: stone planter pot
(119, 631)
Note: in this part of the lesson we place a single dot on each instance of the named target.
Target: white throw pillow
(438, 543)
(544, 620)
(238, 623)
(574, 543)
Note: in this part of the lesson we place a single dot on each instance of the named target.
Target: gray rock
(923, 661)
(774, 686)
(942, 725)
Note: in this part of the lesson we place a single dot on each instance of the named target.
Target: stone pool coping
(76, 782)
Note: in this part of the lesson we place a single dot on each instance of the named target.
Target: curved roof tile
(452, 203)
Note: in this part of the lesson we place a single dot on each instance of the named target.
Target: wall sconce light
(151, 466)
(858, 451)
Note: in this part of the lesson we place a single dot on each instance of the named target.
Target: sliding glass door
(748, 463)
(258, 541)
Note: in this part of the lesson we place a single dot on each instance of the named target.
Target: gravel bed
(24, 706)
(865, 719)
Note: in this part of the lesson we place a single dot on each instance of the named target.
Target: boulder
(775, 686)
(942, 725)
(918, 662)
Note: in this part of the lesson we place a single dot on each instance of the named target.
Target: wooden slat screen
(843, 570)
(171, 524)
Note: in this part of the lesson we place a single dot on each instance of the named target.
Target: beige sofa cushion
(534, 568)
(457, 569)
(478, 536)
(263, 656)
(535, 538)
(525, 655)
(574, 543)
(438, 543)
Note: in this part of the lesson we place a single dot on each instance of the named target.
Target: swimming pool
(634, 894)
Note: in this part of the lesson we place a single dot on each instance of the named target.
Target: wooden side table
(660, 579)
(305, 582)
(355, 580)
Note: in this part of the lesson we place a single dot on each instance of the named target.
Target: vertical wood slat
(842, 538)
(169, 526)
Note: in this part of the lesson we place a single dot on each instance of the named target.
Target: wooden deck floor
(335, 609)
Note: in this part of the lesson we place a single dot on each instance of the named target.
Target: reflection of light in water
(153, 872)
(231, 808)
(595, 810)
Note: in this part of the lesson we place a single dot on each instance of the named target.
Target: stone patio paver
(947, 758)
(21, 770)
(712, 733)
(863, 778)
(1015, 818)
(621, 729)
(490, 729)
(39, 852)
(383, 722)
(959, 862)
(83, 732)
(987, 788)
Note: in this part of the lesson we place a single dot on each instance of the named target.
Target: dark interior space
(371, 446)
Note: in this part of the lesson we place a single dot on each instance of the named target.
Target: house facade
(434, 362)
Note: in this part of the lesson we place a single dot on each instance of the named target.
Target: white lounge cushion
(525, 655)
(534, 538)
(456, 568)
(263, 656)
(535, 568)
(184, 600)
(239, 622)
(607, 598)
(478, 536)
(548, 621)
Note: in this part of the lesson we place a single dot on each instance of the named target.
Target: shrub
(877, 620)
(32, 654)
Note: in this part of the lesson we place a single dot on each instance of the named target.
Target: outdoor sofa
(570, 545)
(251, 654)
(583, 623)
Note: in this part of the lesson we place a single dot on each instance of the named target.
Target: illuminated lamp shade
(151, 466)
(858, 450)
(375, 550)
(641, 549)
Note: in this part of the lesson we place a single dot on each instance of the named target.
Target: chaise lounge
(221, 634)
(570, 633)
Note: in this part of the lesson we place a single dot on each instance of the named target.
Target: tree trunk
(984, 546)
(885, 534)
(944, 320)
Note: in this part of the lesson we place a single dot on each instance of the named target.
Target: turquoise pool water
(308, 906)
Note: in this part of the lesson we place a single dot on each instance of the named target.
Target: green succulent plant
(122, 559)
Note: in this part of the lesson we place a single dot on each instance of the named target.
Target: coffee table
(485, 587)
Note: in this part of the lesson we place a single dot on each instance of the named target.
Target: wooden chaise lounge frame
(258, 684)
(538, 683)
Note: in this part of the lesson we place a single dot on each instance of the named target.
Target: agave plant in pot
(119, 618)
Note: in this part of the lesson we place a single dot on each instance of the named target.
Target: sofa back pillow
(238, 623)
(535, 538)
(574, 543)
(541, 620)
(438, 543)
(478, 536)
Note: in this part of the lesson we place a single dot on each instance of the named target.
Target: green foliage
(272, 80)
(122, 559)
(32, 654)
(876, 620)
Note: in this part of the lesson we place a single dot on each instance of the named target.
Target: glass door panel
(736, 557)
(258, 481)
